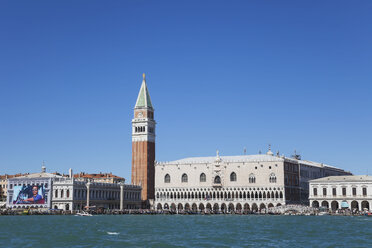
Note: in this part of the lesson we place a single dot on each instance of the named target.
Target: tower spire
(143, 99)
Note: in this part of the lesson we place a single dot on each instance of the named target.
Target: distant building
(143, 144)
(101, 177)
(73, 194)
(336, 192)
(236, 183)
(30, 190)
(51, 190)
(4, 185)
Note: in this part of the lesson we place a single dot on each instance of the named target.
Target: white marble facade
(71, 194)
(337, 192)
(233, 183)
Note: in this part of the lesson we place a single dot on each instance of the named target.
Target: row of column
(121, 195)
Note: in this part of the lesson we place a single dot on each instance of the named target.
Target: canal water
(185, 231)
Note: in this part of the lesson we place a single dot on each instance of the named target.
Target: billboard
(29, 194)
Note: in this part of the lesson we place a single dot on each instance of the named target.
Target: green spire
(143, 99)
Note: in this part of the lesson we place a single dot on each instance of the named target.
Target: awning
(344, 204)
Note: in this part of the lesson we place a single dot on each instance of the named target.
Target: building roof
(242, 158)
(143, 99)
(6, 176)
(268, 157)
(345, 178)
(94, 175)
(39, 174)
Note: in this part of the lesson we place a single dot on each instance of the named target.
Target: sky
(223, 75)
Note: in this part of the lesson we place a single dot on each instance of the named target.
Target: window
(56, 193)
(217, 179)
(286, 180)
(344, 191)
(272, 178)
(324, 191)
(167, 178)
(252, 178)
(233, 177)
(67, 193)
(184, 178)
(334, 192)
(364, 191)
(62, 193)
(354, 191)
(203, 178)
(315, 190)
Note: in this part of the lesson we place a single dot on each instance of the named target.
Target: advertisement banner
(29, 194)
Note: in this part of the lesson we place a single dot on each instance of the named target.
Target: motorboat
(83, 214)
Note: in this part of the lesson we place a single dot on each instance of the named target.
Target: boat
(323, 213)
(83, 214)
(368, 214)
(26, 212)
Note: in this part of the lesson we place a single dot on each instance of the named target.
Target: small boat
(323, 213)
(83, 214)
(368, 214)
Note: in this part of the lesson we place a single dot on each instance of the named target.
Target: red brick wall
(143, 169)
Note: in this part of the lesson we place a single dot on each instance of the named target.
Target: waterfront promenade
(282, 210)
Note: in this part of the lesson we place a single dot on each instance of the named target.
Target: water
(185, 231)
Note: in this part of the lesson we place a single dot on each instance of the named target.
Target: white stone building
(68, 193)
(73, 194)
(336, 192)
(235, 183)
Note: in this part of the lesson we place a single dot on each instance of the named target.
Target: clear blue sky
(221, 74)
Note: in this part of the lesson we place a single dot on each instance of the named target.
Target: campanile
(143, 144)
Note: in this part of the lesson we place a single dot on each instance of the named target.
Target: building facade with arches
(234, 183)
(66, 192)
(73, 194)
(338, 192)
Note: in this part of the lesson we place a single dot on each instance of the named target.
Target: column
(88, 193)
(121, 196)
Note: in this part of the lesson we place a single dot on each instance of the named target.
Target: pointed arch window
(167, 178)
(203, 178)
(233, 177)
(217, 179)
(252, 178)
(184, 178)
(272, 178)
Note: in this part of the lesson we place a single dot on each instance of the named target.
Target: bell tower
(143, 144)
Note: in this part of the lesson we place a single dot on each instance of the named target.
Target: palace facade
(236, 183)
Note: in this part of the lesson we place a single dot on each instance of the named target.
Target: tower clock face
(140, 115)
